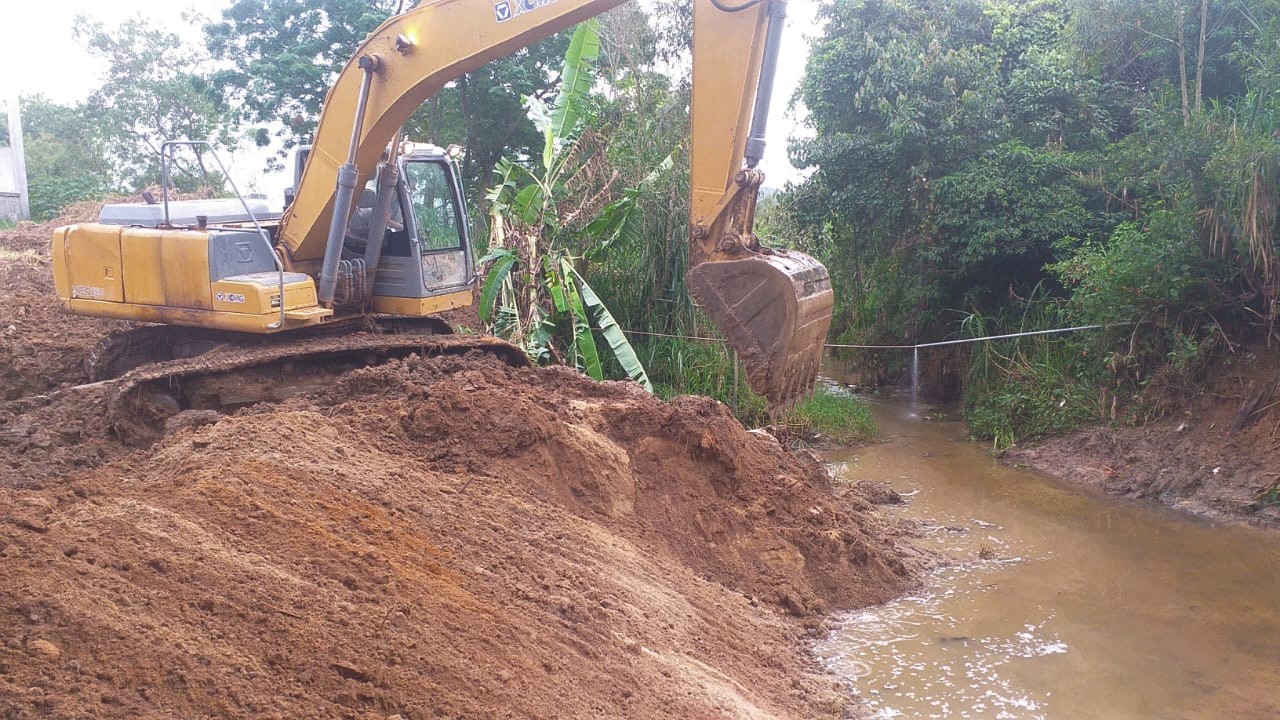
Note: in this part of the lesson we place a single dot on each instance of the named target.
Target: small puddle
(1061, 602)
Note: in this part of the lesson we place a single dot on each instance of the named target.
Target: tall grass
(833, 416)
(1029, 387)
(680, 366)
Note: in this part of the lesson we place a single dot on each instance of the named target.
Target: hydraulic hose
(735, 8)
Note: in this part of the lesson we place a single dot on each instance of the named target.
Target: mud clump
(47, 438)
(446, 537)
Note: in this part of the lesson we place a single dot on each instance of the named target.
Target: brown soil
(1190, 460)
(40, 349)
(445, 537)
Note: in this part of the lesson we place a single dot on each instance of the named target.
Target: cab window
(432, 198)
(394, 242)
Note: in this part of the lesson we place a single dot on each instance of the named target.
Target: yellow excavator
(374, 238)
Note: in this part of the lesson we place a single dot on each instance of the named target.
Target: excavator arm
(773, 307)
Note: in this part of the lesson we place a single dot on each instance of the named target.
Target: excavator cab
(424, 264)
(427, 247)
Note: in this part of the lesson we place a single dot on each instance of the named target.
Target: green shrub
(49, 195)
(1032, 404)
(1145, 269)
(834, 415)
(1033, 386)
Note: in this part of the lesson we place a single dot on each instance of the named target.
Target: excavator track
(236, 372)
(124, 350)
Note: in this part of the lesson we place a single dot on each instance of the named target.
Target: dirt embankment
(442, 538)
(1220, 457)
(446, 537)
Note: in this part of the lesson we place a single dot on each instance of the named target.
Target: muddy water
(1061, 603)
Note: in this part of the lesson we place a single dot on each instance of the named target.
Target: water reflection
(1059, 602)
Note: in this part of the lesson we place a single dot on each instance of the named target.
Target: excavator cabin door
(427, 254)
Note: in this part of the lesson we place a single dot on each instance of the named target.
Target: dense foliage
(154, 91)
(284, 55)
(1071, 161)
(65, 161)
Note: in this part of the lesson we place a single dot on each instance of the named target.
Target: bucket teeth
(774, 310)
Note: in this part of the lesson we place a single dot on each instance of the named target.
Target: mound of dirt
(448, 537)
(1219, 457)
(41, 347)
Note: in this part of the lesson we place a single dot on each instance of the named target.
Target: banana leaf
(528, 203)
(554, 285)
(503, 260)
(541, 336)
(583, 340)
(506, 323)
(577, 76)
(613, 334)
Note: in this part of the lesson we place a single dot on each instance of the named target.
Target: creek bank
(448, 537)
(1218, 457)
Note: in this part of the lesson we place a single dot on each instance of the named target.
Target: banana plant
(533, 293)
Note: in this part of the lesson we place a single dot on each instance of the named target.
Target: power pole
(19, 158)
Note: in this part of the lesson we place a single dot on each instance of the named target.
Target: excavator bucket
(775, 311)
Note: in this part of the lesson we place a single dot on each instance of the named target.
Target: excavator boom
(773, 307)
(416, 54)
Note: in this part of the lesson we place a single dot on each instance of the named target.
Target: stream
(1061, 602)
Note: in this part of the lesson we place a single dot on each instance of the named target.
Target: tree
(157, 88)
(287, 54)
(1140, 50)
(542, 300)
(61, 141)
(639, 143)
(948, 138)
(1020, 164)
(65, 158)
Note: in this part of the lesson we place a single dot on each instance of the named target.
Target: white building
(13, 169)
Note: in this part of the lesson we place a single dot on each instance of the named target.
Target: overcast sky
(39, 48)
